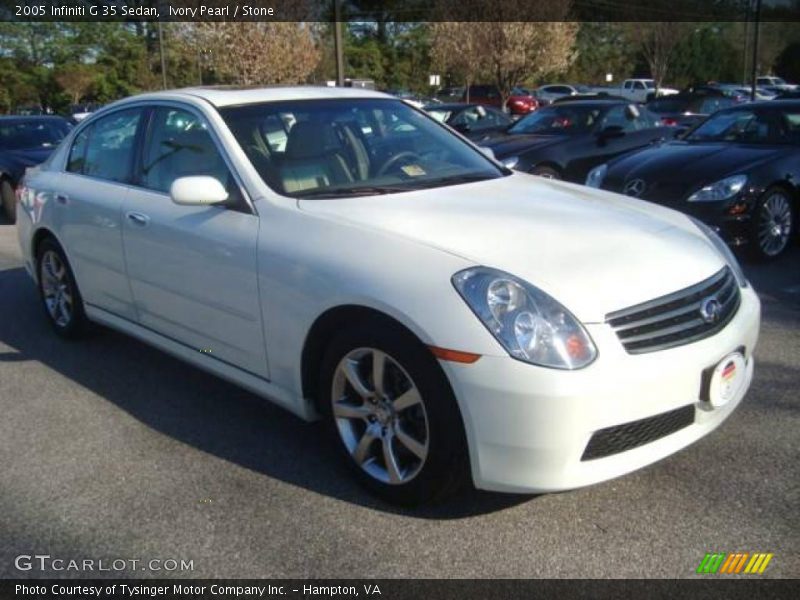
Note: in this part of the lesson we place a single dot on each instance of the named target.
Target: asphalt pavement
(113, 450)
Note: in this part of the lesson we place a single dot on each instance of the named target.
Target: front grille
(619, 438)
(677, 319)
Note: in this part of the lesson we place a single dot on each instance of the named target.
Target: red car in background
(521, 102)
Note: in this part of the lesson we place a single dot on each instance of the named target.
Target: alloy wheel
(58, 297)
(380, 415)
(775, 224)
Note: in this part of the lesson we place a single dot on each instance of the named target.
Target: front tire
(59, 292)
(392, 415)
(9, 201)
(773, 224)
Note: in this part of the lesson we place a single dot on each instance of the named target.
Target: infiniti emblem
(710, 310)
(635, 187)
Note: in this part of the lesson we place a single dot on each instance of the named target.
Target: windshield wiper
(353, 191)
(452, 180)
(374, 190)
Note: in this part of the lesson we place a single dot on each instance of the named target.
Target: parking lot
(112, 449)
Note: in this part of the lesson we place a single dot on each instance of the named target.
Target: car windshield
(352, 147)
(29, 135)
(732, 126)
(558, 120)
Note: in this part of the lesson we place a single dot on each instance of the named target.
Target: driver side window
(180, 145)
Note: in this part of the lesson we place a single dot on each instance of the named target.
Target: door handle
(62, 198)
(138, 218)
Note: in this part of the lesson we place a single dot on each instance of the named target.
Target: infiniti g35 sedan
(348, 257)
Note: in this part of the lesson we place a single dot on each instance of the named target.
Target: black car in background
(565, 140)
(687, 109)
(739, 172)
(25, 142)
(475, 121)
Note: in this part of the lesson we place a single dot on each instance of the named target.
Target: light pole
(337, 41)
(756, 24)
(163, 59)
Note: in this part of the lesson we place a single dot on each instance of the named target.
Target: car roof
(453, 106)
(591, 102)
(8, 118)
(234, 95)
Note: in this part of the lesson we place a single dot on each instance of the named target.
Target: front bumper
(735, 229)
(528, 427)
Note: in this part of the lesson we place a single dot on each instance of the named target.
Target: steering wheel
(393, 160)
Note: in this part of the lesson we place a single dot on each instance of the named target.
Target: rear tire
(774, 222)
(59, 292)
(402, 439)
(9, 201)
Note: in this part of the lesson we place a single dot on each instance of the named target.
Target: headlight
(528, 323)
(724, 250)
(596, 176)
(720, 190)
(510, 162)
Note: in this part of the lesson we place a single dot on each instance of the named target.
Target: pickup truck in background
(642, 90)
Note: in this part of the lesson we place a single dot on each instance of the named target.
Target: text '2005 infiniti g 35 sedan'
(345, 255)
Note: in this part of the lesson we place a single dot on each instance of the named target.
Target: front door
(192, 269)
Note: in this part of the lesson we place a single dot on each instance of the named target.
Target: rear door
(192, 269)
(92, 190)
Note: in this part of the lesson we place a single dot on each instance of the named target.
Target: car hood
(690, 164)
(595, 252)
(510, 144)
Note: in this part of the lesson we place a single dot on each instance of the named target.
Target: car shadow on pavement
(199, 409)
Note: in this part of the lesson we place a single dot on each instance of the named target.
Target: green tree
(601, 48)
(788, 63)
(706, 53)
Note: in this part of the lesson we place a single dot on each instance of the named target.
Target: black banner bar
(394, 10)
(708, 587)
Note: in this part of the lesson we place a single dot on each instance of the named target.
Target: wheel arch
(792, 188)
(42, 233)
(322, 331)
(39, 236)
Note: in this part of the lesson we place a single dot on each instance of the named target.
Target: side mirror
(612, 131)
(197, 190)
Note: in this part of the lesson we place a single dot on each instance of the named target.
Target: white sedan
(346, 256)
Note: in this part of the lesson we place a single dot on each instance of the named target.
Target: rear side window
(712, 105)
(77, 154)
(668, 106)
(105, 149)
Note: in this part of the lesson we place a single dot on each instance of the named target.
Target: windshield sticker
(413, 170)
